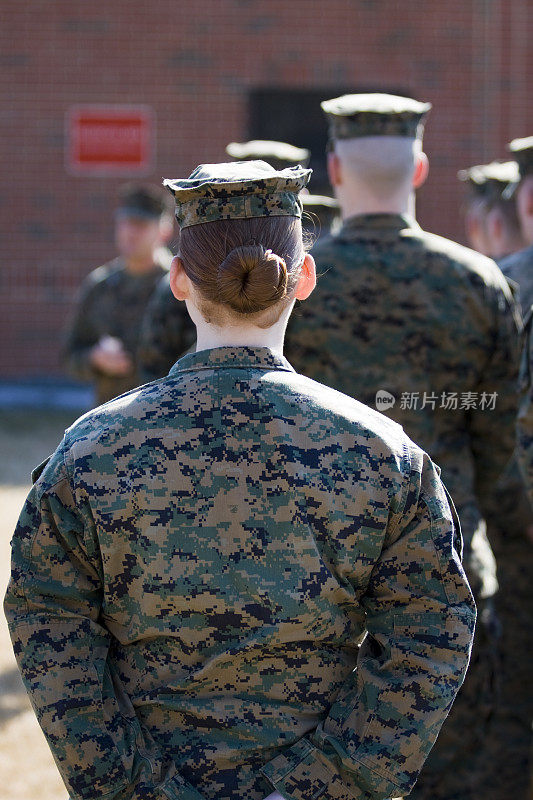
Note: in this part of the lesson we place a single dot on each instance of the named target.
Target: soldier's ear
(179, 282)
(421, 170)
(334, 169)
(307, 280)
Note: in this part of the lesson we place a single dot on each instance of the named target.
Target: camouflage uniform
(515, 563)
(432, 327)
(514, 715)
(167, 332)
(111, 302)
(234, 578)
(401, 310)
(525, 414)
(193, 575)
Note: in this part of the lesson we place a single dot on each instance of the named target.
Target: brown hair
(243, 266)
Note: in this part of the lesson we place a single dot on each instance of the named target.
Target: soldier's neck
(210, 336)
(355, 205)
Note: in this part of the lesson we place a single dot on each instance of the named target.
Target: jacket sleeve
(420, 621)
(494, 418)
(53, 605)
(81, 335)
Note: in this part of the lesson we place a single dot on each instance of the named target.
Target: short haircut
(384, 164)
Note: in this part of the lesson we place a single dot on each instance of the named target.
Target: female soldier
(196, 567)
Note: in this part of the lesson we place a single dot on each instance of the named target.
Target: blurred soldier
(167, 331)
(519, 266)
(502, 236)
(428, 331)
(102, 338)
(512, 539)
(497, 225)
(475, 209)
(510, 530)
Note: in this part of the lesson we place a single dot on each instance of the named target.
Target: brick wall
(194, 64)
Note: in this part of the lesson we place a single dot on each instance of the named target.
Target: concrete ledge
(50, 394)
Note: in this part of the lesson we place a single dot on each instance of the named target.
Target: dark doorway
(295, 116)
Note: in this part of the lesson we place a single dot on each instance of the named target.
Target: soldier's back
(409, 313)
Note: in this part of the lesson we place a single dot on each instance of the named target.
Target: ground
(27, 770)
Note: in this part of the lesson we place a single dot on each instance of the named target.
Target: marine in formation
(235, 582)
(426, 331)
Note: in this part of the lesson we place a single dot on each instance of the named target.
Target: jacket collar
(363, 226)
(231, 358)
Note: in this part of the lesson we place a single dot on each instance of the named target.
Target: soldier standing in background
(511, 529)
(103, 334)
(428, 331)
(167, 331)
(475, 209)
(496, 219)
(519, 266)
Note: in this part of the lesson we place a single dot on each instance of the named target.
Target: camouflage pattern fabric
(375, 114)
(459, 765)
(509, 767)
(433, 328)
(111, 302)
(237, 190)
(519, 268)
(525, 414)
(193, 576)
(167, 332)
(509, 764)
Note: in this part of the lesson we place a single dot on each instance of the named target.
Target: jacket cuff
(303, 773)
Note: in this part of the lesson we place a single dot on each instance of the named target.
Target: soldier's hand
(109, 357)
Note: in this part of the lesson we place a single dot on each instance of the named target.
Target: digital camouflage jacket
(193, 576)
(432, 329)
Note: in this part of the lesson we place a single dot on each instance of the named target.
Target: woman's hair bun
(251, 278)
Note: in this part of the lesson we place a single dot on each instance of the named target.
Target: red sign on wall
(109, 140)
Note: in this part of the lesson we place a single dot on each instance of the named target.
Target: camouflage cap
(490, 180)
(357, 115)
(522, 149)
(277, 154)
(237, 190)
